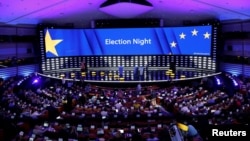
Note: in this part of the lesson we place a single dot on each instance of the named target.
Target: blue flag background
(195, 40)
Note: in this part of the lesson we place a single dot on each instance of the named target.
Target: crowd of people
(52, 110)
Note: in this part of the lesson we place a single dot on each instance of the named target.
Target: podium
(172, 66)
(120, 71)
(136, 73)
(141, 72)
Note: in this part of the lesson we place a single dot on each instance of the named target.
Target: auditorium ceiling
(80, 13)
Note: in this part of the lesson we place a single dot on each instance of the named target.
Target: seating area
(37, 108)
(14, 61)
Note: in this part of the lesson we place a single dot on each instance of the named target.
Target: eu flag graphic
(189, 40)
(66, 42)
(50, 45)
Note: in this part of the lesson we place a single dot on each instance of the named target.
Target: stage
(112, 76)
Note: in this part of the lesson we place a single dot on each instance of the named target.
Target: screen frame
(43, 32)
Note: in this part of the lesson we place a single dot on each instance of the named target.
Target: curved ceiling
(80, 13)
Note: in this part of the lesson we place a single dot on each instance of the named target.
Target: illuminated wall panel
(20, 70)
(129, 61)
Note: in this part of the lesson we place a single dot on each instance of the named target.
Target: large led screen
(195, 40)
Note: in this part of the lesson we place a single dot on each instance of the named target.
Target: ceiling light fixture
(126, 8)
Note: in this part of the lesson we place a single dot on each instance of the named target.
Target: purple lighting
(35, 81)
(235, 83)
(218, 81)
(126, 9)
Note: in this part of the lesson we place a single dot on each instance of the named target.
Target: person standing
(141, 70)
(136, 73)
(83, 67)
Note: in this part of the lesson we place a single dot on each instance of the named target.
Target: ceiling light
(126, 8)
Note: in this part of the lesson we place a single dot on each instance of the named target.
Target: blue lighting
(218, 81)
(35, 81)
(235, 83)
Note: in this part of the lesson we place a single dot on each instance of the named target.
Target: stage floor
(152, 76)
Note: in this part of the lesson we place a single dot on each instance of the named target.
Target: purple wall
(9, 48)
(239, 47)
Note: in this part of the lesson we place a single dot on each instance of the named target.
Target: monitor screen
(100, 131)
(121, 131)
(159, 126)
(92, 127)
(192, 40)
(79, 129)
(105, 127)
(132, 127)
(45, 124)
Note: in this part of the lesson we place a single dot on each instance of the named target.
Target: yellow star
(50, 44)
